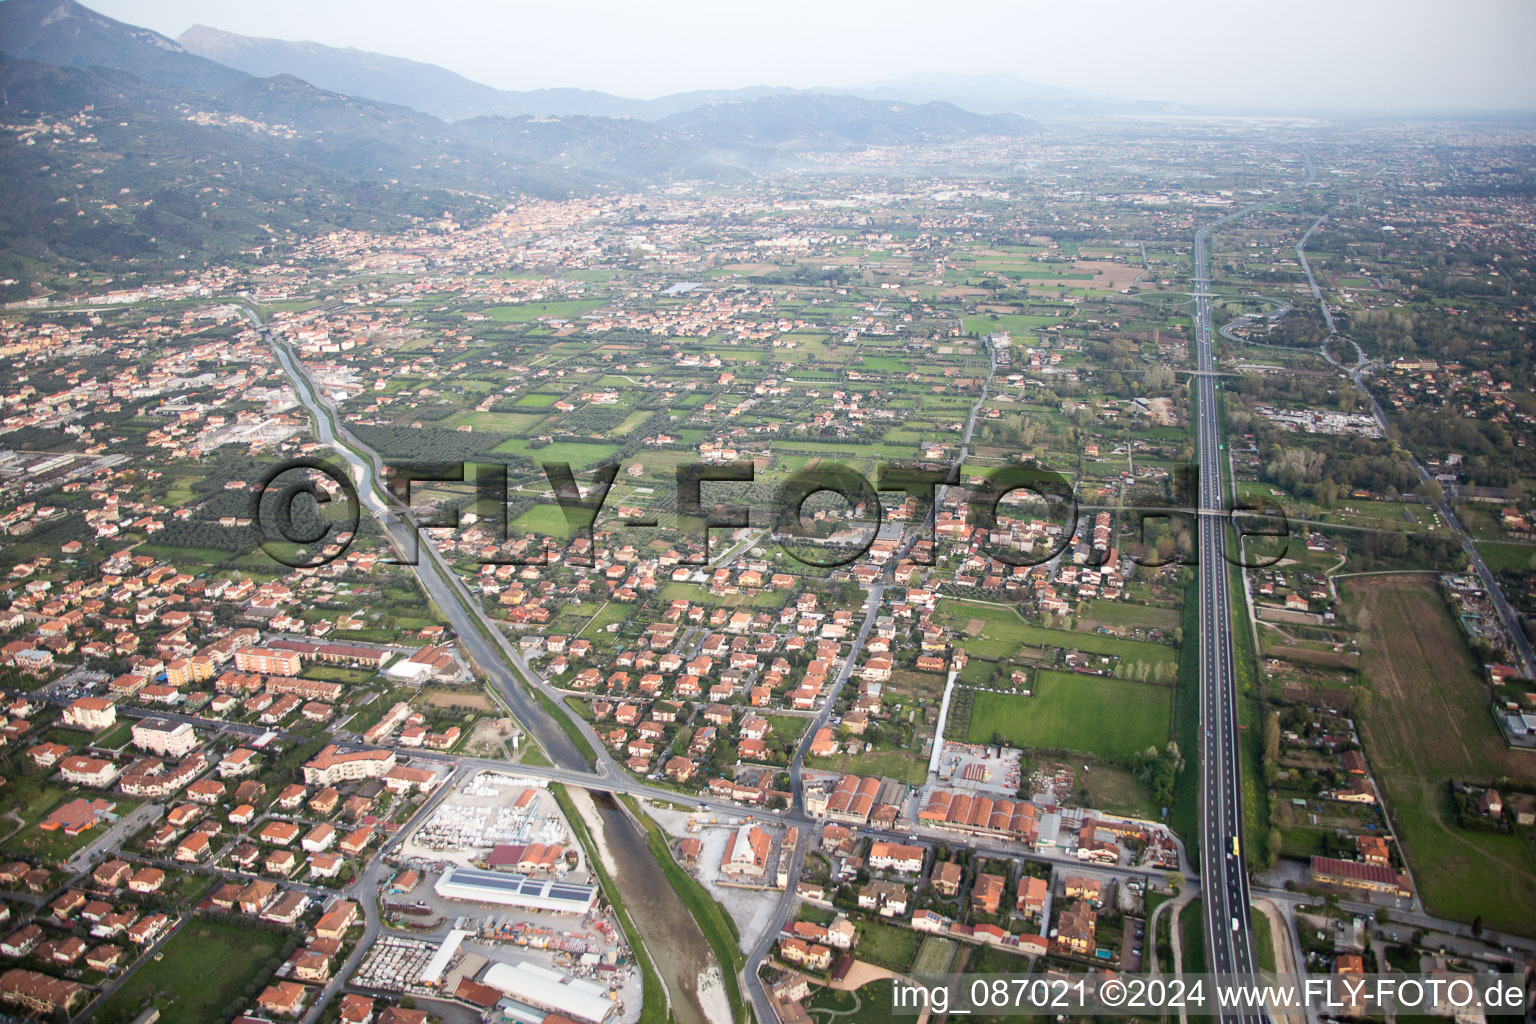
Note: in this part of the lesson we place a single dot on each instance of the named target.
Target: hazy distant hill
(220, 170)
(425, 87)
(430, 88)
(1002, 93)
(145, 183)
(185, 156)
(446, 94)
(363, 113)
(815, 121)
(66, 33)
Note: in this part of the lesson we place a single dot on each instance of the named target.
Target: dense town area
(798, 592)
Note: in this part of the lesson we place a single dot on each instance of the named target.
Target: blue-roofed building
(476, 886)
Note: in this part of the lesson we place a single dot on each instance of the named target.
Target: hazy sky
(1349, 54)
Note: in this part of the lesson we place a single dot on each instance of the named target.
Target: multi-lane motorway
(1224, 878)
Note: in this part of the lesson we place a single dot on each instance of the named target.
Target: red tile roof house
(112, 874)
(325, 865)
(147, 929)
(22, 941)
(356, 1009)
(104, 957)
(281, 862)
(356, 842)
(206, 791)
(279, 833)
(193, 848)
(285, 998)
(334, 924)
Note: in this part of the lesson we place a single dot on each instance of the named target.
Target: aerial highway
(1224, 877)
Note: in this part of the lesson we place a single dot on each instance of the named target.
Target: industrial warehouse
(476, 886)
(530, 986)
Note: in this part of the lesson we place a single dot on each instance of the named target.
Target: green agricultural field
(1429, 723)
(788, 727)
(526, 311)
(603, 617)
(1093, 714)
(205, 968)
(903, 766)
(500, 422)
(545, 520)
(887, 945)
(1013, 323)
(1113, 789)
(935, 956)
(888, 364)
(1134, 616)
(694, 592)
(1504, 557)
(632, 421)
(577, 454)
(1004, 624)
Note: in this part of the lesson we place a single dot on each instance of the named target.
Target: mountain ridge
(69, 34)
(447, 94)
(425, 87)
(184, 157)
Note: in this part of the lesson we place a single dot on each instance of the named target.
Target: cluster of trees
(1290, 467)
(1480, 336)
(407, 444)
(1271, 748)
(1369, 551)
(1489, 453)
(1328, 477)
(1468, 815)
(195, 533)
(1159, 770)
(1302, 327)
(1292, 390)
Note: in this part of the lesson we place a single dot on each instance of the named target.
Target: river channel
(682, 956)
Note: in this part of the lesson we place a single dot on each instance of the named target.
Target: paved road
(124, 828)
(1224, 898)
(752, 970)
(444, 587)
(1523, 651)
(365, 891)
